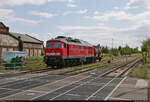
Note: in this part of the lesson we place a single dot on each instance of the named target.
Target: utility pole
(112, 47)
(148, 93)
(112, 43)
(126, 55)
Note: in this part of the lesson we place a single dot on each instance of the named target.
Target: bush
(141, 72)
(34, 63)
(2, 68)
(146, 51)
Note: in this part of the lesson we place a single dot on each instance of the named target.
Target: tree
(115, 52)
(119, 48)
(98, 46)
(135, 50)
(146, 50)
(105, 50)
(20, 46)
(126, 50)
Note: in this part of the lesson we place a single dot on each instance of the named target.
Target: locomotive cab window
(57, 45)
(64, 46)
(49, 45)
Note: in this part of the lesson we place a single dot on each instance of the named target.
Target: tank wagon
(66, 51)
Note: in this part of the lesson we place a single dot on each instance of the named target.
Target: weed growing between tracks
(140, 72)
(98, 66)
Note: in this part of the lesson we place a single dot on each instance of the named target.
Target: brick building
(9, 42)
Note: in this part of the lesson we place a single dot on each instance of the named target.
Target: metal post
(14, 67)
(148, 92)
(126, 59)
(112, 47)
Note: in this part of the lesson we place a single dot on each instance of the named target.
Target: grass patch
(141, 72)
(98, 66)
(34, 63)
(1, 68)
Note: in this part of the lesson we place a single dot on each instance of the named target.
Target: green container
(14, 63)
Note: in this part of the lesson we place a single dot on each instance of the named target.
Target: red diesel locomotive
(65, 51)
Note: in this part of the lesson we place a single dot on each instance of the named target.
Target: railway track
(69, 69)
(42, 80)
(72, 70)
(81, 89)
(86, 69)
(123, 69)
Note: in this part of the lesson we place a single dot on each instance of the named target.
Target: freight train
(66, 51)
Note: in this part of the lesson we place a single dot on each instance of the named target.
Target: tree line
(120, 50)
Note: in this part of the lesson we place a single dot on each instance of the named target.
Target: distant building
(9, 42)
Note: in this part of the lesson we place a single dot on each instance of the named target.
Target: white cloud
(122, 15)
(75, 12)
(21, 2)
(42, 14)
(103, 34)
(70, 1)
(106, 16)
(116, 8)
(96, 12)
(5, 12)
(82, 11)
(17, 19)
(8, 14)
(71, 5)
(103, 17)
(132, 35)
(33, 2)
(137, 3)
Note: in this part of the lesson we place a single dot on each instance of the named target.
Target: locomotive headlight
(48, 53)
(57, 53)
(52, 54)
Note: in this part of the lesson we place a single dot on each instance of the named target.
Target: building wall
(7, 43)
(30, 45)
(33, 49)
(29, 48)
(7, 40)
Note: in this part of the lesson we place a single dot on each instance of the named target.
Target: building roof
(2, 25)
(26, 38)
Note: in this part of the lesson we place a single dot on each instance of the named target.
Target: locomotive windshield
(57, 45)
(49, 45)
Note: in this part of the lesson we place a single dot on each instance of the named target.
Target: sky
(121, 22)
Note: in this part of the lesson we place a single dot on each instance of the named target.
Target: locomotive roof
(69, 40)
